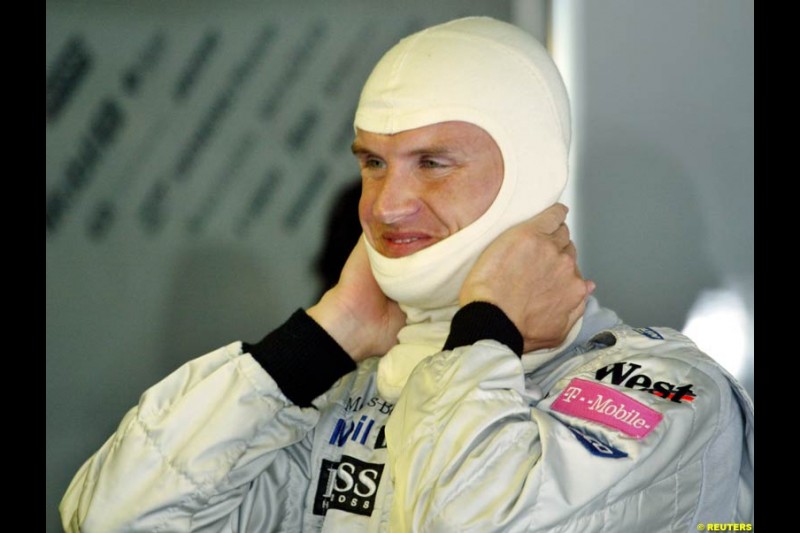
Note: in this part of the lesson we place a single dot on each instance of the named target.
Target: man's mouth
(403, 244)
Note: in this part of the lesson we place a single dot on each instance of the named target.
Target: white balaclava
(495, 76)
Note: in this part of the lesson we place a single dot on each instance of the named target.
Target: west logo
(625, 374)
(348, 485)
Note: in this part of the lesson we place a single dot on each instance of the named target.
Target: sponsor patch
(609, 407)
(356, 432)
(348, 485)
(596, 446)
(650, 333)
(357, 403)
(627, 375)
(380, 442)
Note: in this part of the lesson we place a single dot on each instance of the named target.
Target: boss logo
(348, 485)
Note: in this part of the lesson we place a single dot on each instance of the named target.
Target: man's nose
(397, 198)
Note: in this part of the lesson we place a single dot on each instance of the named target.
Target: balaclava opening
(495, 76)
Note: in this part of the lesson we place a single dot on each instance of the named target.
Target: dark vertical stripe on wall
(65, 75)
(299, 208)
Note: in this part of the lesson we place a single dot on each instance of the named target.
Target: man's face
(422, 185)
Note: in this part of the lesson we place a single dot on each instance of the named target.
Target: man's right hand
(356, 313)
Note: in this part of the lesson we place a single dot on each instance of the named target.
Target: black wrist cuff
(302, 358)
(481, 320)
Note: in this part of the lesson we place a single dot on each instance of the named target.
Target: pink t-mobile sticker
(592, 401)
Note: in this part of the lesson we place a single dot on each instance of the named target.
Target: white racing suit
(633, 430)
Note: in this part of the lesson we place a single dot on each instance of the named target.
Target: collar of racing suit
(425, 334)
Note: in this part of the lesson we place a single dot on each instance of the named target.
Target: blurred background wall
(663, 163)
(193, 152)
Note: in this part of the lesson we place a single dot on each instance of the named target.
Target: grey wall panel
(663, 101)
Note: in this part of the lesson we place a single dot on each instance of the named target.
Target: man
(504, 400)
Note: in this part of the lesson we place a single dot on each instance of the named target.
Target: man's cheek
(366, 207)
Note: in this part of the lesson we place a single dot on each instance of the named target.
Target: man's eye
(373, 163)
(430, 163)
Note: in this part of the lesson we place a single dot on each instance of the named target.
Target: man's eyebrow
(434, 150)
(357, 148)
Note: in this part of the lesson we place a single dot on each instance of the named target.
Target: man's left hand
(531, 273)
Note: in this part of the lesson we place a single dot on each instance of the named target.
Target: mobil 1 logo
(348, 485)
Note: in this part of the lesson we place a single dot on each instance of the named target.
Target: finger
(576, 313)
(566, 227)
(590, 287)
(357, 263)
(571, 251)
(551, 218)
(561, 236)
(359, 253)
